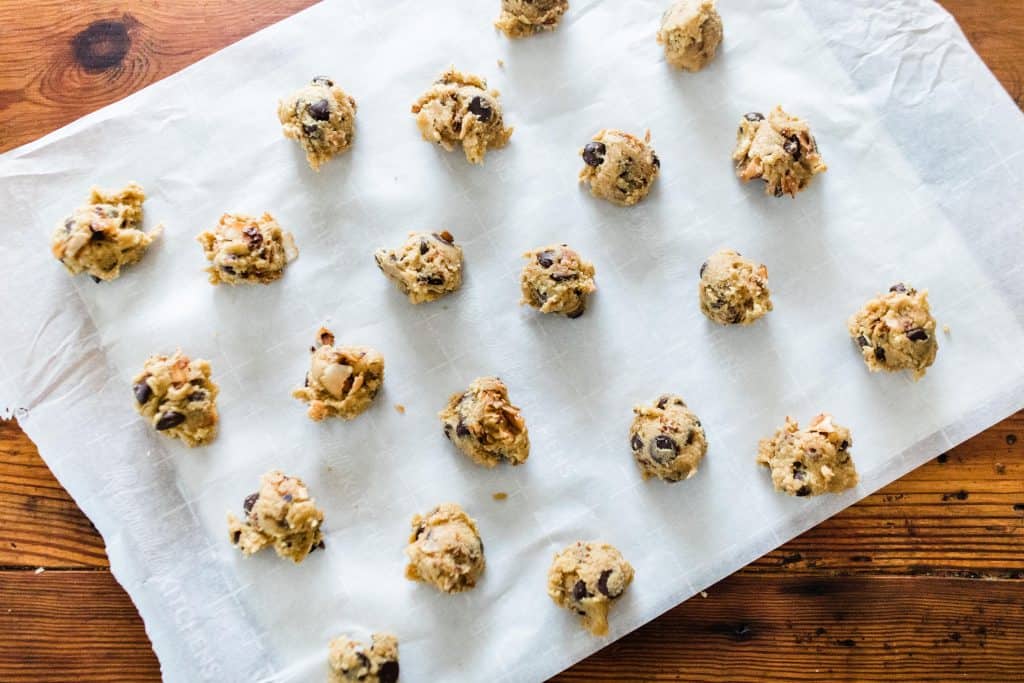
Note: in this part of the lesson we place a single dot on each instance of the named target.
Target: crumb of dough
(945, 329)
(703, 594)
(501, 63)
(499, 495)
(400, 408)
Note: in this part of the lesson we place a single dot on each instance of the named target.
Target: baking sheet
(924, 185)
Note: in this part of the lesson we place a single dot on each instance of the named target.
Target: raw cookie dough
(733, 290)
(586, 577)
(691, 31)
(445, 549)
(244, 249)
(779, 150)
(352, 662)
(342, 380)
(460, 110)
(484, 425)
(806, 462)
(667, 439)
(322, 117)
(556, 280)
(178, 397)
(280, 514)
(619, 167)
(521, 18)
(104, 235)
(426, 267)
(896, 331)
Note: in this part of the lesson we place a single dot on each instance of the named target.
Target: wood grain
(923, 580)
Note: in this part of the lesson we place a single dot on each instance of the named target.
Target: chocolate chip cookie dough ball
(350, 661)
(521, 18)
(483, 424)
(321, 117)
(342, 380)
(667, 439)
(445, 550)
(178, 398)
(243, 249)
(556, 279)
(459, 110)
(104, 235)
(733, 290)
(896, 331)
(586, 578)
(619, 167)
(282, 515)
(425, 268)
(691, 31)
(807, 462)
(779, 150)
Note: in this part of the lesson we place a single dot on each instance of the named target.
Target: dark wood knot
(102, 45)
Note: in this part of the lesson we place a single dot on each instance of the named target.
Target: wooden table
(923, 580)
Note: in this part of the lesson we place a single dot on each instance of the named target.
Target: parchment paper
(924, 185)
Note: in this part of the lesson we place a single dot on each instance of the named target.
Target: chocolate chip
(319, 546)
(804, 490)
(435, 280)
(880, 354)
(171, 418)
(564, 277)
(754, 116)
(236, 537)
(779, 191)
(461, 429)
(792, 147)
(448, 432)
(419, 530)
(593, 153)
(480, 108)
(602, 584)
(577, 313)
(197, 396)
(663, 401)
(636, 442)
(799, 471)
(445, 236)
(250, 500)
(862, 341)
(254, 237)
(287, 498)
(844, 445)
(898, 287)
(655, 160)
(546, 259)
(95, 279)
(663, 448)
(424, 247)
(917, 334)
(320, 110)
(388, 672)
(310, 129)
(689, 437)
(703, 267)
(579, 591)
(364, 661)
(228, 269)
(143, 392)
(323, 80)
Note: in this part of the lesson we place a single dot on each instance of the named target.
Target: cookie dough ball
(691, 31)
(426, 267)
(351, 662)
(779, 150)
(281, 514)
(896, 331)
(322, 117)
(586, 577)
(619, 167)
(556, 279)
(733, 290)
(176, 395)
(445, 549)
(104, 235)
(460, 110)
(342, 380)
(667, 439)
(806, 462)
(247, 250)
(521, 18)
(483, 424)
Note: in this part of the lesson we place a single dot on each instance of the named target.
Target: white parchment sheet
(924, 184)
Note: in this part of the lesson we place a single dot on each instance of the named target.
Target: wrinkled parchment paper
(924, 149)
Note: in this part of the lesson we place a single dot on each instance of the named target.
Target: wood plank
(959, 515)
(80, 626)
